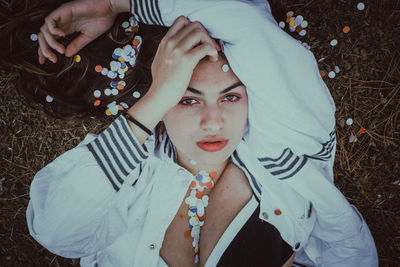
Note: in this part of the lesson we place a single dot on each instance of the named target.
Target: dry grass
(366, 89)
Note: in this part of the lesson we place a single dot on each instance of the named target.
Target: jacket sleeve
(79, 202)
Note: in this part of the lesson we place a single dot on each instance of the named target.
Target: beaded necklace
(197, 201)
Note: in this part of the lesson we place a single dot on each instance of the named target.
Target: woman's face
(205, 111)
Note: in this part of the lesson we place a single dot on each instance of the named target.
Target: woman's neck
(195, 169)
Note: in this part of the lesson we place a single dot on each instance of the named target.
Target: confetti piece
(349, 121)
(135, 42)
(114, 91)
(360, 6)
(96, 103)
(334, 42)
(34, 37)
(98, 68)
(397, 182)
(97, 93)
(104, 71)
(346, 29)
(362, 130)
(107, 91)
(304, 24)
(352, 138)
(125, 24)
(187, 234)
(322, 73)
(77, 58)
(337, 70)
(49, 99)
(136, 94)
(331, 74)
(108, 112)
(282, 24)
(225, 68)
(278, 212)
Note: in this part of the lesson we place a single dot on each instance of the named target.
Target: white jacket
(110, 200)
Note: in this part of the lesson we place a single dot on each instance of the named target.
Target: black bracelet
(128, 117)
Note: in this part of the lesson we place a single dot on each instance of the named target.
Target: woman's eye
(235, 98)
(183, 102)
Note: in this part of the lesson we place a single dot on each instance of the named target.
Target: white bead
(49, 99)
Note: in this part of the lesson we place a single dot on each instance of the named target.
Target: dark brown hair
(71, 84)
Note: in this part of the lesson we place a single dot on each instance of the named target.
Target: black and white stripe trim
(147, 11)
(117, 151)
(325, 153)
(169, 148)
(253, 182)
(285, 166)
(288, 164)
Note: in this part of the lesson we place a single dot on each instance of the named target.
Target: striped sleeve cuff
(118, 152)
(147, 11)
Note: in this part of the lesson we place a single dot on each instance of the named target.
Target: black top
(258, 243)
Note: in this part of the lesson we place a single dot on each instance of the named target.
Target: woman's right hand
(178, 53)
(91, 18)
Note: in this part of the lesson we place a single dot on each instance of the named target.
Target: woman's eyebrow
(195, 91)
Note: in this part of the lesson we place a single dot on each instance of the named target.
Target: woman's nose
(212, 119)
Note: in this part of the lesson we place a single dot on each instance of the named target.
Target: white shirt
(110, 200)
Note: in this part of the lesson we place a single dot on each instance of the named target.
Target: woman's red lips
(212, 146)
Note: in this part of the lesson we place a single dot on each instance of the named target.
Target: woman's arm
(76, 208)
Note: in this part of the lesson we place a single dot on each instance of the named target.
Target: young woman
(243, 174)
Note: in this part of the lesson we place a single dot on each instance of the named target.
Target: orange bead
(362, 130)
(288, 19)
(209, 185)
(213, 175)
(346, 29)
(202, 184)
(199, 194)
(187, 234)
(120, 86)
(98, 68)
(201, 218)
(193, 184)
(136, 42)
(96, 103)
(278, 212)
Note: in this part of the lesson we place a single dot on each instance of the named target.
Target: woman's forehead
(209, 77)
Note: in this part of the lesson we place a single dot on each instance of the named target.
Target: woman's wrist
(120, 6)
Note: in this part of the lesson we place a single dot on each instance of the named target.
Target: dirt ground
(366, 89)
